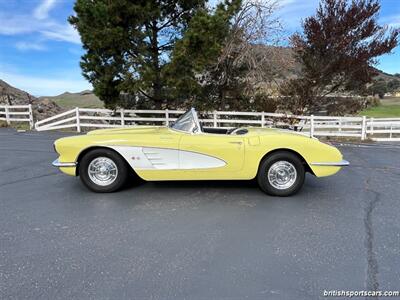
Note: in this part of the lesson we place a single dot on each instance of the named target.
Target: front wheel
(281, 174)
(103, 171)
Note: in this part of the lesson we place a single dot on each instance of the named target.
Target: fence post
(312, 126)
(363, 128)
(122, 113)
(167, 117)
(215, 118)
(78, 121)
(391, 130)
(262, 119)
(340, 124)
(30, 116)
(7, 114)
(371, 125)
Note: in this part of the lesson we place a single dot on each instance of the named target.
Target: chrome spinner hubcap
(282, 175)
(102, 171)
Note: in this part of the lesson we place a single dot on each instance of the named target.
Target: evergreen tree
(192, 73)
(128, 44)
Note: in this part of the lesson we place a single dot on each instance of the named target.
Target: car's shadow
(197, 184)
(158, 194)
(310, 182)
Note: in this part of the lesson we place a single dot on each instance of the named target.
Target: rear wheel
(281, 174)
(103, 171)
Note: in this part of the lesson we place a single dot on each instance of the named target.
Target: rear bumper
(342, 163)
(58, 164)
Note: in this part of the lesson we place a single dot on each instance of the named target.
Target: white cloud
(292, 12)
(24, 46)
(47, 29)
(392, 20)
(39, 25)
(282, 3)
(42, 11)
(18, 24)
(45, 86)
(65, 33)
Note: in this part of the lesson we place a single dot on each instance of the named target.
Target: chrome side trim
(342, 163)
(58, 164)
(152, 158)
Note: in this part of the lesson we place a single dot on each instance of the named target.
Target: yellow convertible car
(105, 159)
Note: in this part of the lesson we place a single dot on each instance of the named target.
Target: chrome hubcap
(102, 171)
(282, 175)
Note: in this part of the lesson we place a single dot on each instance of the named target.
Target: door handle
(238, 143)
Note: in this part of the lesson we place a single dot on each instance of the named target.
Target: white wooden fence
(16, 113)
(383, 129)
(379, 129)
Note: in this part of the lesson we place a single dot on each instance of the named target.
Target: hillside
(42, 108)
(385, 76)
(10, 93)
(284, 57)
(69, 100)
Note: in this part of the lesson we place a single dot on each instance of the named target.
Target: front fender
(314, 152)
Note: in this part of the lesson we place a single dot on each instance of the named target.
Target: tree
(393, 85)
(128, 43)
(235, 61)
(249, 61)
(197, 53)
(378, 87)
(337, 49)
(155, 54)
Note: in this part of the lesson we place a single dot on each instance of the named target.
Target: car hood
(276, 131)
(127, 130)
(158, 129)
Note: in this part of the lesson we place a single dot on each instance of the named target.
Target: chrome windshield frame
(197, 127)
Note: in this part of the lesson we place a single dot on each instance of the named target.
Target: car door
(211, 152)
(154, 150)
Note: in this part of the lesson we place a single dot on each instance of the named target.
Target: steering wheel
(234, 130)
(239, 131)
(201, 126)
(229, 131)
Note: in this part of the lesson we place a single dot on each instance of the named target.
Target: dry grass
(16, 125)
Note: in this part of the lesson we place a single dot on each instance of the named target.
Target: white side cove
(146, 158)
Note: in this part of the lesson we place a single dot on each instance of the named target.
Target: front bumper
(342, 163)
(58, 164)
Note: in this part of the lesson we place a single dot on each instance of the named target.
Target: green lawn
(382, 111)
(389, 107)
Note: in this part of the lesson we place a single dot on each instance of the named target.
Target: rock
(42, 108)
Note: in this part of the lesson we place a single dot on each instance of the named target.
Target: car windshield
(186, 122)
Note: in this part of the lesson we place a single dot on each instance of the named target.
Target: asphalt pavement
(195, 240)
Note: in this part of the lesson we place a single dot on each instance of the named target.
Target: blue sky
(40, 51)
